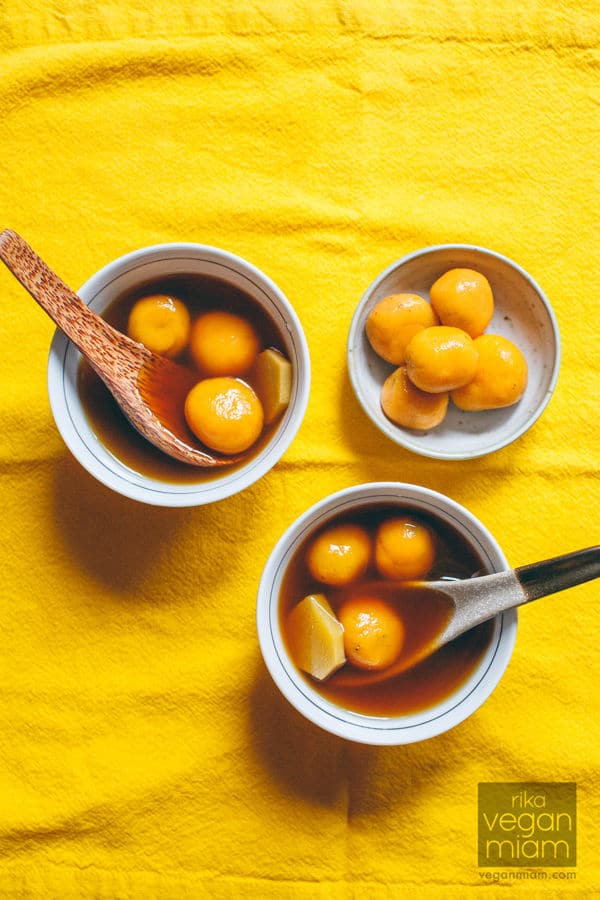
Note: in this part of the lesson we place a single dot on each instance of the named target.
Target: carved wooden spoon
(150, 389)
(471, 601)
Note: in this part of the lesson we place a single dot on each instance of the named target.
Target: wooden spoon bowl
(150, 389)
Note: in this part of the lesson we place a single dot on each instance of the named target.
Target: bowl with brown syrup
(231, 326)
(334, 615)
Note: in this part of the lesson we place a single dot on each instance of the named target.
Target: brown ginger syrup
(430, 681)
(200, 293)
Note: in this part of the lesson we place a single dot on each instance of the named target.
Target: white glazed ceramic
(522, 314)
(297, 688)
(122, 275)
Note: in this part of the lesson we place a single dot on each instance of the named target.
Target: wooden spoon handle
(65, 308)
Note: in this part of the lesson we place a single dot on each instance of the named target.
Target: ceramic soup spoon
(471, 601)
(150, 389)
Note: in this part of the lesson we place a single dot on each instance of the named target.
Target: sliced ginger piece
(316, 637)
(272, 379)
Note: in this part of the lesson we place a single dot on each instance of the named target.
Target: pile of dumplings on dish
(442, 352)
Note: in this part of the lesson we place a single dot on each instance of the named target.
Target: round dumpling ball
(161, 323)
(223, 343)
(441, 358)
(394, 320)
(373, 632)
(408, 406)
(339, 555)
(225, 414)
(500, 377)
(463, 298)
(404, 549)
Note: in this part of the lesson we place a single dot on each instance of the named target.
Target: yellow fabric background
(144, 751)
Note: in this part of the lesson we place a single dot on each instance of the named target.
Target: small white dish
(138, 268)
(522, 314)
(367, 729)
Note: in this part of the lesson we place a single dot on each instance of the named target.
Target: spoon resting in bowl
(150, 389)
(463, 604)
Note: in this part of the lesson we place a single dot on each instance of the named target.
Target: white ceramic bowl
(126, 273)
(522, 314)
(297, 689)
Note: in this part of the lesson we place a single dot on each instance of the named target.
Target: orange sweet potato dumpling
(161, 323)
(463, 299)
(404, 549)
(225, 414)
(394, 321)
(440, 359)
(500, 377)
(406, 405)
(223, 343)
(373, 632)
(339, 555)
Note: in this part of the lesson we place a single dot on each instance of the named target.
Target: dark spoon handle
(557, 574)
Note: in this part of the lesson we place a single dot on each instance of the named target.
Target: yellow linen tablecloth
(144, 751)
